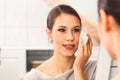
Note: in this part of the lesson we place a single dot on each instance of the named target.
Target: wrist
(79, 73)
(76, 68)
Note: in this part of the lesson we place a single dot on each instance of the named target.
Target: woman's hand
(84, 54)
(82, 58)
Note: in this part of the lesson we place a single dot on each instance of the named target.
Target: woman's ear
(104, 20)
(48, 32)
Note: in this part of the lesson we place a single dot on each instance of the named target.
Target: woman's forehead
(66, 20)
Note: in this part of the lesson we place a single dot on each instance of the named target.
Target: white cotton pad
(84, 36)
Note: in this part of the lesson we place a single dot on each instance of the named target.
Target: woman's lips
(69, 46)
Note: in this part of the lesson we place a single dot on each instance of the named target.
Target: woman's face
(106, 34)
(65, 34)
(106, 40)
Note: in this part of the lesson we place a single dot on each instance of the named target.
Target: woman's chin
(113, 56)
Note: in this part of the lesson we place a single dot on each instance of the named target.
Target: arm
(81, 59)
(86, 22)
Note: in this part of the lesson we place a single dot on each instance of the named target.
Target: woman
(109, 30)
(63, 30)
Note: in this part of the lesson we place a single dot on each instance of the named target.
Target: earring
(51, 40)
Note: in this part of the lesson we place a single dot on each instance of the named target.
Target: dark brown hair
(111, 7)
(56, 11)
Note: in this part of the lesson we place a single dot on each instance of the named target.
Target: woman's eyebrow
(62, 26)
(66, 27)
(76, 27)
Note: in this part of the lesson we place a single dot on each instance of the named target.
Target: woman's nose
(69, 36)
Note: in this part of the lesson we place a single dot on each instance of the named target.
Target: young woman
(63, 30)
(109, 28)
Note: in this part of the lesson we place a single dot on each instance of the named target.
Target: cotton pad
(83, 36)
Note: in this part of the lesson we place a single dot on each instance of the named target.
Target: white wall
(23, 23)
(87, 7)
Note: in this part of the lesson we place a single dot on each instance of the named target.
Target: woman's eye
(76, 30)
(61, 30)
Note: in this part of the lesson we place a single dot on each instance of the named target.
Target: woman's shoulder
(91, 63)
(90, 69)
(35, 74)
(32, 75)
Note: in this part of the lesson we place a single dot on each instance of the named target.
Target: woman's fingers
(90, 43)
(81, 46)
(88, 47)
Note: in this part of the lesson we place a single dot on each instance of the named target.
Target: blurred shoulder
(90, 69)
(32, 75)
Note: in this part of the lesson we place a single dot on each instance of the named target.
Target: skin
(109, 32)
(65, 37)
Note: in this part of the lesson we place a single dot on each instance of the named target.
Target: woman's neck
(62, 62)
(116, 45)
(118, 61)
(56, 65)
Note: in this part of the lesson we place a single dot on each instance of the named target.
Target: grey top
(90, 69)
